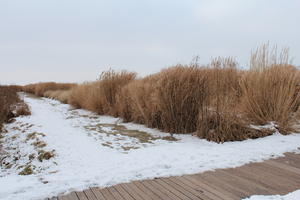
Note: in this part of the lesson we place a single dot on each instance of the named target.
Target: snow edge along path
(290, 196)
(82, 162)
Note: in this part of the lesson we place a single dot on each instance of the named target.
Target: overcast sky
(74, 40)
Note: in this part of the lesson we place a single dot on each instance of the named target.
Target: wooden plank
(107, 195)
(283, 176)
(62, 198)
(283, 166)
(90, 195)
(97, 193)
(255, 186)
(115, 193)
(222, 181)
(131, 191)
(123, 192)
(157, 184)
(293, 156)
(288, 160)
(203, 188)
(69, 196)
(172, 190)
(212, 188)
(180, 189)
(256, 179)
(247, 186)
(191, 189)
(204, 194)
(146, 190)
(135, 191)
(81, 196)
(268, 178)
(155, 190)
(72, 196)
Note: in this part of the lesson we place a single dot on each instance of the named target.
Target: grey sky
(74, 40)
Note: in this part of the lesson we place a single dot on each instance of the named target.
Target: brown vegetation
(40, 88)
(218, 102)
(10, 104)
(100, 96)
(61, 95)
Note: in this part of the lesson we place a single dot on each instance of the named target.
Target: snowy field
(64, 149)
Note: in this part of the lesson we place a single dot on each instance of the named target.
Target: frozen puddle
(71, 149)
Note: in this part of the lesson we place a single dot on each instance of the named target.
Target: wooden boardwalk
(277, 176)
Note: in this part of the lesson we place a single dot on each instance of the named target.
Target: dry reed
(10, 104)
(217, 102)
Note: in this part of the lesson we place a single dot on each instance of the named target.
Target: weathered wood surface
(276, 176)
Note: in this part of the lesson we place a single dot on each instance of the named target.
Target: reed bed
(218, 102)
(40, 88)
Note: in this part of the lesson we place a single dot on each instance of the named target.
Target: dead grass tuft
(270, 89)
(10, 104)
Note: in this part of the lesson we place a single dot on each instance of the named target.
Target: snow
(92, 150)
(291, 196)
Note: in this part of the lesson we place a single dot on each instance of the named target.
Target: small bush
(10, 104)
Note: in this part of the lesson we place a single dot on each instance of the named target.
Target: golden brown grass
(100, 96)
(79, 96)
(270, 91)
(40, 88)
(60, 95)
(217, 102)
(180, 94)
(219, 117)
(137, 102)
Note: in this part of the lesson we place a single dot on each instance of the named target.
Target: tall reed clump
(168, 100)
(10, 104)
(137, 102)
(270, 89)
(100, 96)
(79, 95)
(181, 91)
(219, 117)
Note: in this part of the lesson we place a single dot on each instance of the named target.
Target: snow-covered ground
(67, 149)
(291, 196)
